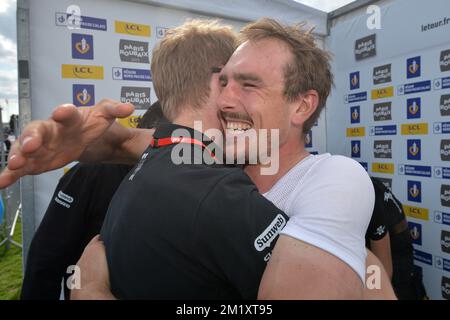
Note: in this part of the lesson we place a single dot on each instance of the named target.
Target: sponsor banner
(134, 29)
(356, 97)
(381, 167)
(414, 128)
(413, 149)
(441, 127)
(383, 130)
(415, 87)
(444, 61)
(442, 172)
(382, 74)
(131, 74)
(441, 83)
(382, 93)
(413, 67)
(133, 51)
(416, 212)
(129, 122)
(365, 47)
(75, 71)
(423, 257)
(382, 149)
(82, 46)
(417, 171)
(355, 114)
(76, 22)
(442, 263)
(138, 96)
(356, 132)
(382, 111)
(442, 217)
(83, 95)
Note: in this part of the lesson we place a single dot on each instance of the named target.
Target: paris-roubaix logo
(413, 108)
(355, 114)
(382, 74)
(382, 111)
(444, 61)
(445, 195)
(82, 46)
(413, 67)
(414, 191)
(365, 47)
(445, 150)
(444, 105)
(83, 95)
(414, 149)
(445, 287)
(382, 149)
(445, 241)
(354, 80)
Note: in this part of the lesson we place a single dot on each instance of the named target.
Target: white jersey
(329, 200)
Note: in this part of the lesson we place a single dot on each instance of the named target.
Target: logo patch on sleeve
(270, 233)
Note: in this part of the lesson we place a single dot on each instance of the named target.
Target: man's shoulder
(338, 166)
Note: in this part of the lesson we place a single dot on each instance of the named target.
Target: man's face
(252, 95)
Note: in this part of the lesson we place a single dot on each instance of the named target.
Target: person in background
(389, 238)
(74, 216)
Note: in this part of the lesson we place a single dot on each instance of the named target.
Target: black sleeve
(237, 229)
(379, 223)
(74, 215)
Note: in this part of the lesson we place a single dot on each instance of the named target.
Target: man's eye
(249, 85)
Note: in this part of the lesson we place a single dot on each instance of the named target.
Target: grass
(11, 267)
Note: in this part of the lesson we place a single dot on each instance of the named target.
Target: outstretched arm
(70, 134)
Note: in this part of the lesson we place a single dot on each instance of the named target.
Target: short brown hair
(310, 69)
(182, 62)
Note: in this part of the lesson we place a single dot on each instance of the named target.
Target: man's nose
(228, 98)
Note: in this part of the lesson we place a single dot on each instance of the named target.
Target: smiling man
(279, 80)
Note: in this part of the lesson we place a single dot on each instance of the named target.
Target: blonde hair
(310, 68)
(182, 61)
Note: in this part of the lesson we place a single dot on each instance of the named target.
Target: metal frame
(23, 58)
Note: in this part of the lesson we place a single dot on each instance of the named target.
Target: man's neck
(188, 118)
(290, 154)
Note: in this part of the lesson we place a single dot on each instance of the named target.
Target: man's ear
(304, 106)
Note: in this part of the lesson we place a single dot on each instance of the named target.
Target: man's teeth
(237, 126)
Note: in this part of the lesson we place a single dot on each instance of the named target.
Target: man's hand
(94, 273)
(65, 137)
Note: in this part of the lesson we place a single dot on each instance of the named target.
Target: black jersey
(188, 231)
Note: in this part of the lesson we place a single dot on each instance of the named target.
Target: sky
(8, 50)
